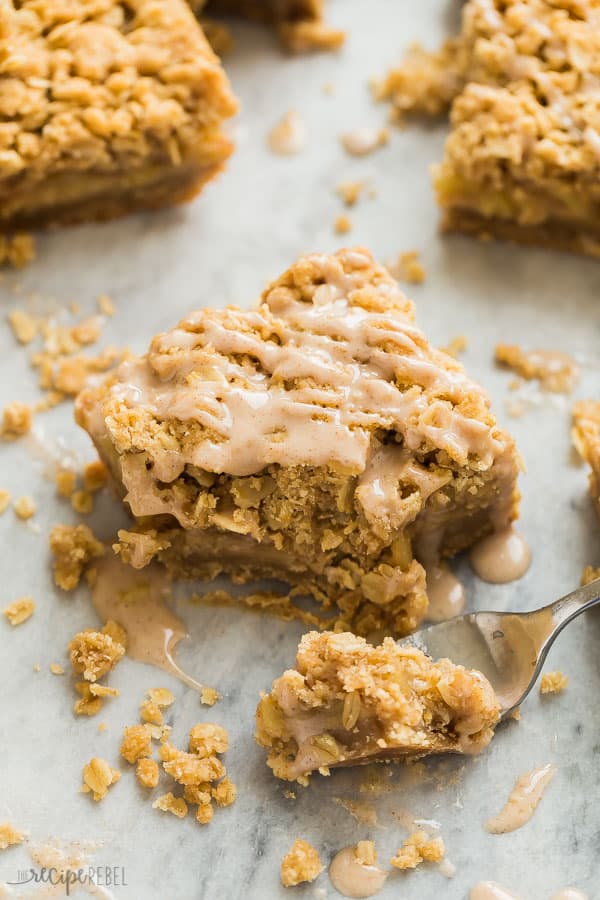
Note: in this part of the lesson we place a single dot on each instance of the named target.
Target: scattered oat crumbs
(206, 739)
(95, 653)
(5, 499)
(363, 141)
(553, 682)
(87, 704)
(56, 669)
(106, 305)
(25, 507)
(170, 803)
(161, 696)
(37, 667)
(408, 267)
(288, 136)
(73, 548)
(365, 853)
(20, 610)
(82, 502)
(289, 795)
(456, 346)
(556, 371)
(16, 420)
(65, 481)
(95, 475)
(147, 772)
(17, 251)
(25, 327)
(9, 835)
(103, 690)
(301, 864)
(150, 712)
(342, 224)
(136, 743)
(516, 714)
(350, 191)
(417, 848)
(98, 776)
(102, 727)
(307, 35)
(209, 696)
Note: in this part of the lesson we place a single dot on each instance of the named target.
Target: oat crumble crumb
(365, 853)
(82, 502)
(20, 610)
(225, 793)
(95, 653)
(408, 267)
(417, 848)
(25, 327)
(56, 669)
(301, 864)
(343, 224)
(25, 507)
(87, 704)
(65, 481)
(553, 682)
(363, 141)
(106, 305)
(456, 346)
(136, 743)
(102, 727)
(209, 696)
(147, 772)
(103, 690)
(554, 370)
(151, 713)
(206, 739)
(73, 548)
(5, 499)
(95, 475)
(169, 803)
(98, 776)
(350, 191)
(9, 835)
(288, 136)
(16, 420)
(161, 696)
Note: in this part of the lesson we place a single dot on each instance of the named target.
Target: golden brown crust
(349, 702)
(105, 108)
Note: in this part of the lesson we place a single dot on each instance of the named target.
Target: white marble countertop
(247, 227)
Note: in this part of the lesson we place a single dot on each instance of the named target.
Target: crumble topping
(365, 853)
(456, 346)
(16, 420)
(25, 326)
(98, 776)
(343, 224)
(553, 682)
(56, 669)
(306, 36)
(363, 141)
(74, 547)
(348, 701)
(20, 610)
(9, 835)
(136, 743)
(17, 251)
(106, 305)
(301, 864)
(95, 653)
(417, 848)
(288, 137)
(555, 371)
(172, 804)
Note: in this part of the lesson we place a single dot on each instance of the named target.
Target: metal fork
(509, 648)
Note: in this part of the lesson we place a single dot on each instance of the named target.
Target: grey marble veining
(246, 228)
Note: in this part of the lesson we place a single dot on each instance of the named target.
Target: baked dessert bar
(105, 107)
(523, 157)
(348, 702)
(299, 23)
(586, 437)
(317, 438)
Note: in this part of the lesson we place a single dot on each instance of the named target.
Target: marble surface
(246, 228)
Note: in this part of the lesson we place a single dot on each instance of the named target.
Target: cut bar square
(105, 107)
(317, 438)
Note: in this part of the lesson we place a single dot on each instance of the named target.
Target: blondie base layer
(318, 439)
(348, 702)
(105, 107)
(523, 159)
(586, 437)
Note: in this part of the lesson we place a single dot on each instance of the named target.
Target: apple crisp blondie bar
(586, 437)
(317, 438)
(523, 158)
(348, 702)
(105, 107)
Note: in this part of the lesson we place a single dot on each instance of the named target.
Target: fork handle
(552, 619)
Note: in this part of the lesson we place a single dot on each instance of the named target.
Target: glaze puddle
(501, 557)
(353, 879)
(522, 801)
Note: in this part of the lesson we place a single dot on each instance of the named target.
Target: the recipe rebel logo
(72, 879)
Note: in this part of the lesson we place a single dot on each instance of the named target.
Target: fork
(508, 648)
